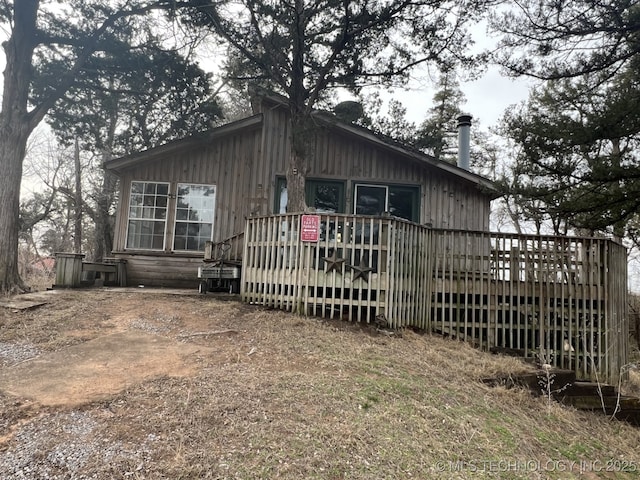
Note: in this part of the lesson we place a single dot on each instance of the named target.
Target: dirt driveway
(89, 378)
(90, 357)
(105, 384)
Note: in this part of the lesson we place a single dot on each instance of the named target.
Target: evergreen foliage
(438, 134)
(552, 39)
(578, 159)
(304, 49)
(577, 137)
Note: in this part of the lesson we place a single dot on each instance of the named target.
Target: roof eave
(478, 180)
(117, 165)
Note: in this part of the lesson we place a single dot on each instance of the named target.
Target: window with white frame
(370, 199)
(195, 207)
(147, 215)
(149, 204)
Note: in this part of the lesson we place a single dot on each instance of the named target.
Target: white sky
(489, 96)
(486, 98)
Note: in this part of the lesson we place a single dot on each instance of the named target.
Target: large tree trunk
(16, 124)
(298, 158)
(297, 171)
(103, 236)
(12, 151)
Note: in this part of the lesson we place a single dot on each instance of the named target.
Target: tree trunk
(12, 151)
(77, 224)
(299, 114)
(16, 124)
(103, 236)
(296, 173)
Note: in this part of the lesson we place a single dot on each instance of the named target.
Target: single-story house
(175, 197)
(395, 238)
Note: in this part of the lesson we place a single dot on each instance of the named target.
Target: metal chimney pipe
(464, 138)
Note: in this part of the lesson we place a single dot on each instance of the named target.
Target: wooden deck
(560, 299)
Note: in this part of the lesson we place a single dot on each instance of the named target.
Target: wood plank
(98, 267)
(20, 305)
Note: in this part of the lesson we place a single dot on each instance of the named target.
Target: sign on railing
(310, 228)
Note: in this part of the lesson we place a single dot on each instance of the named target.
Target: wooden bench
(70, 268)
(114, 271)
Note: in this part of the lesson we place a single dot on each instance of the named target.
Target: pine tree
(438, 134)
(578, 158)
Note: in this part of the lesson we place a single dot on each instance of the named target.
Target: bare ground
(137, 384)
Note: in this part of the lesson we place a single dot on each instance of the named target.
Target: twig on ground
(204, 334)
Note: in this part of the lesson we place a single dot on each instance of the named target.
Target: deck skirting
(562, 300)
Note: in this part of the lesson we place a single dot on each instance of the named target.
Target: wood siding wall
(445, 201)
(560, 299)
(245, 164)
(162, 270)
(227, 163)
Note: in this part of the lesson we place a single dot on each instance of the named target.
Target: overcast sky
(487, 98)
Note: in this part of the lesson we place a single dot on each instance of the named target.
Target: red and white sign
(310, 228)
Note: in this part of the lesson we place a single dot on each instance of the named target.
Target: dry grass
(632, 386)
(288, 397)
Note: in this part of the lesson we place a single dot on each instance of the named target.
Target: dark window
(404, 202)
(399, 201)
(370, 200)
(326, 196)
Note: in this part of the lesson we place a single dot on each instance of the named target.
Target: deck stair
(581, 395)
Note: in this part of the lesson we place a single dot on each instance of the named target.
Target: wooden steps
(567, 390)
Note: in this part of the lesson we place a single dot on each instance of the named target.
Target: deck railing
(561, 299)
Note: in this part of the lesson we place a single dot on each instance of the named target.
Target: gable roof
(323, 118)
(330, 120)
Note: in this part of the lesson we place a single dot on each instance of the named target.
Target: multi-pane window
(399, 201)
(327, 196)
(195, 207)
(150, 202)
(147, 215)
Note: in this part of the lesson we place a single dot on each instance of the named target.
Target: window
(147, 215)
(326, 196)
(281, 195)
(404, 202)
(149, 203)
(399, 201)
(371, 200)
(195, 208)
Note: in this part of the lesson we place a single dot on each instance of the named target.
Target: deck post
(68, 269)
